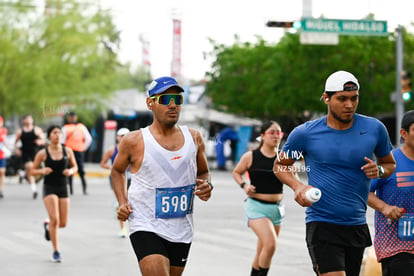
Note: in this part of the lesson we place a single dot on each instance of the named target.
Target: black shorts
(28, 156)
(401, 264)
(337, 247)
(148, 243)
(60, 190)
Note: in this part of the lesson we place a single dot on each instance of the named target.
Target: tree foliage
(65, 54)
(287, 79)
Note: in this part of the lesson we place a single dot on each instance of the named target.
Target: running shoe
(46, 227)
(56, 258)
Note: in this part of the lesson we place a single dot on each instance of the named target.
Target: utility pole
(399, 104)
(307, 8)
(146, 61)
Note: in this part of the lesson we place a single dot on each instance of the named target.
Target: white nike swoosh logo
(166, 82)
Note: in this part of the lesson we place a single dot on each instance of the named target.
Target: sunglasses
(275, 133)
(165, 99)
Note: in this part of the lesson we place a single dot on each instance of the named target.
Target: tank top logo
(176, 157)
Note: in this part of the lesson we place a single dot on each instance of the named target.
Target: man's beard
(344, 121)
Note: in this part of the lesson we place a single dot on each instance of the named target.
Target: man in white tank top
(168, 168)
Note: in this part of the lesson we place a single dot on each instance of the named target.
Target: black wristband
(211, 185)
(242, 184)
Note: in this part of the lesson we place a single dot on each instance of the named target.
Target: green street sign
(345, 27)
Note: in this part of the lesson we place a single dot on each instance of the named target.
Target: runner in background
(32, 139)
(263, 208)
(3, 155)
(393, 200)
(77, 137)
(59, 163)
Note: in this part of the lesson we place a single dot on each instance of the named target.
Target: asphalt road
(223, 244)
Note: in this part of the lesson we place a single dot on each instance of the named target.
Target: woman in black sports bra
(263, 208)
(59, 163)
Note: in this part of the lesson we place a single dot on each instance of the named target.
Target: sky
(221, 20)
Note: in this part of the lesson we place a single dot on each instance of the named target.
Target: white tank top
(162, 190)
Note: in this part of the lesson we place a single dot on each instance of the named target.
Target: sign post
(399, 105)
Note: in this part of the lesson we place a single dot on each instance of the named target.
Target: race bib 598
(174, 202)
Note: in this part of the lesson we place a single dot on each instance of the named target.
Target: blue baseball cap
(161, 84)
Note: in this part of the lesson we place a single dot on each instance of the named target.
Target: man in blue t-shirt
(339, 150)
(393, 200)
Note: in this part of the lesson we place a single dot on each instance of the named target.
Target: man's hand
(393, 212)
(370, 168)
(300, 195)
(124, 210)
(203, 189)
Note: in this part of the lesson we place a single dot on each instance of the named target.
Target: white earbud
(150, 104)
(326, 100)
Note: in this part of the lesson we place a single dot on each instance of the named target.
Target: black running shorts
(148, 243)
(60, 190)
(401, 264)
(337, 247)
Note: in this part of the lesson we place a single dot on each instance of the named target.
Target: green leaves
(65, 55)
(287, 79)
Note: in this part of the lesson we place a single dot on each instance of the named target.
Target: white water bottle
(313, 194)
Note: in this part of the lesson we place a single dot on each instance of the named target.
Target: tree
(141, 77)
(286, 79)
(65, 54)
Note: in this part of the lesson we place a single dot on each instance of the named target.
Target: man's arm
(389, 211)
(204, 186)
(119, 167)
(388, 163)
(284, 170)
(372, 170)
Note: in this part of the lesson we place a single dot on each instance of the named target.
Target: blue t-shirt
(398, 190)
(334, 159)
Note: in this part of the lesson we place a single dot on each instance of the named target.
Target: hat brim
(165, 88)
